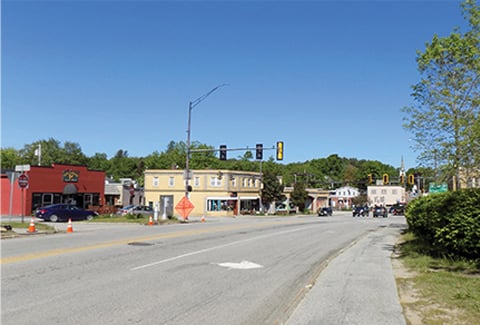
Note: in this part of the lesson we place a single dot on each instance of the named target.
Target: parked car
(136, 209)
(380, 211)
(63, 212)
(397, 209)
(284, 208)
(360, 211)
(325, 211)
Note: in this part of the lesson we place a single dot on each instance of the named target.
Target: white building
(342, 197)
(385, 195)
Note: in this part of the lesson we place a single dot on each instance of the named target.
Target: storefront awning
(70, 189)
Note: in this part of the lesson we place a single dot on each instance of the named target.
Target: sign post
(23, 184)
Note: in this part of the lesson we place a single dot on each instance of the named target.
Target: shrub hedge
(448, 222)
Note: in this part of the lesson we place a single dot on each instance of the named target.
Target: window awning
(70, 189)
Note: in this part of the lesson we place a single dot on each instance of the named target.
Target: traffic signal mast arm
(230, 149)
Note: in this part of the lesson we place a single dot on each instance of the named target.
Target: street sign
(22, 168)
(23, 181)
(184, 207)
(438, 188)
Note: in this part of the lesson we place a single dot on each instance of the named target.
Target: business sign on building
(70, 176)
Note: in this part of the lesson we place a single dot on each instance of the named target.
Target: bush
(448, 222)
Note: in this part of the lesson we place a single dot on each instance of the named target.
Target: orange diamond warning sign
(184, 207)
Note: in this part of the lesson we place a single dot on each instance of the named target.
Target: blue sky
(325, 77)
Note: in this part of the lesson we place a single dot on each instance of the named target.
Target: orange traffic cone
(70, 227)
(31, 228)
(202, 219)
(150, 221)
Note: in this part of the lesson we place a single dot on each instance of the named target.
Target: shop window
(47, 199)
(220, 205)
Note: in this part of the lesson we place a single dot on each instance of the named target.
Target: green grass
(452, 286)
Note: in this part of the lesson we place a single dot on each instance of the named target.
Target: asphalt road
(248, 270)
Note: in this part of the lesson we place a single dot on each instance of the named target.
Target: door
(166, 206)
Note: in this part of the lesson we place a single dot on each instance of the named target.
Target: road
(246, 270)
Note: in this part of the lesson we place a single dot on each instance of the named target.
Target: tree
(99, 161)
(10, 158)
(447, 98)
(272, 189)
(299, 195)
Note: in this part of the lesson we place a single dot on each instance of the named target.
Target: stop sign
(23, 181)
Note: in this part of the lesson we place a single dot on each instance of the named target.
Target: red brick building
(52, 184)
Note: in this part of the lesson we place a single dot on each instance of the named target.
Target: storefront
(49, 185)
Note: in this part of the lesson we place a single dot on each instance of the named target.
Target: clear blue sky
(325, 77)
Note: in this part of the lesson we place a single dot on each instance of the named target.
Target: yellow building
(214, 192)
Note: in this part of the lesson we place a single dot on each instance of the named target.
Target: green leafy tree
(299, 196)
(10, 158)
(272, 189)
(447, 97)
(99, 161)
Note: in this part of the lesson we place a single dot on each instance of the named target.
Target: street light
(191, 105)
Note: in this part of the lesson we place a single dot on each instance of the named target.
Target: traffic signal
(411, 179)
(223, 152)
(279, 150)
(259, 152)
(385, 179)
(402, 179)
(370, 178)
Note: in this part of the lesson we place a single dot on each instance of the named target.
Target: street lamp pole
(192, 105)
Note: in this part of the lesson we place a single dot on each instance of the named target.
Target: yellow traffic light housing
(402, 179)
(411, 179)
(279, 150)
(385, 179)
(370, 178)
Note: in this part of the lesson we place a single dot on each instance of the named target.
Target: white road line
(212, 248)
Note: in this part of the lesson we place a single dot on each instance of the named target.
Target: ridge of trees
(327, 173)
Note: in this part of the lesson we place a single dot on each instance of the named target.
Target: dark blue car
(63, 212)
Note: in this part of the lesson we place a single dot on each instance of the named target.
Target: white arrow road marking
(243, 265)
(206, 250)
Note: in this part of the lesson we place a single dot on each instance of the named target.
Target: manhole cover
(139, 244)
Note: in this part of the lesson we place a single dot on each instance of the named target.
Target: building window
(394, 192)
(196, 181)
(234, 182)
(215, 182)
(155, 181)
(220, 205)
(384, 191)
(373, 192)
(244, 182)
(171, 181)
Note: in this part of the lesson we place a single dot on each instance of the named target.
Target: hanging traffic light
(402, 179)
(223, 152)
(385, 179)
(279, 150)
(411, 179)
(259, 152)
(370, 178)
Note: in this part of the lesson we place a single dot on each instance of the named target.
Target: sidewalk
(358, 286)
